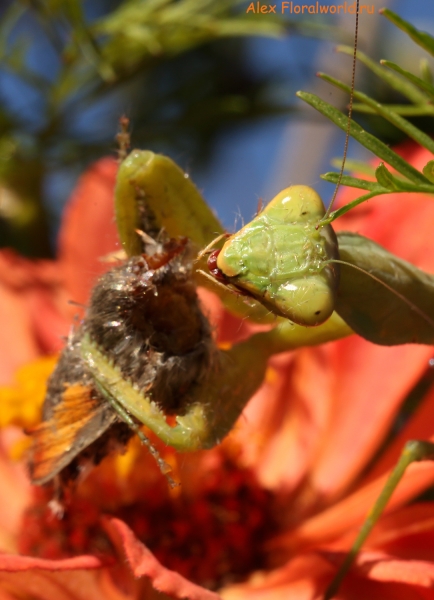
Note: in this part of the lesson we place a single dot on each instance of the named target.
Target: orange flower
(270, 512)
(35, 296)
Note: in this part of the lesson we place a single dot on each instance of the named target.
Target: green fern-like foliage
(420, 93)
(153, 59)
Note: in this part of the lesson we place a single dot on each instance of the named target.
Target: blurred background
(205, 82)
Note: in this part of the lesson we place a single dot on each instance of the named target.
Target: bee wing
(77, 420)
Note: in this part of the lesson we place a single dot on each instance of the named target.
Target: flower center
(213, 537)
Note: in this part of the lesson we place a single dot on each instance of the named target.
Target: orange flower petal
(16, 325)
(308, 417)
(51, 585)
(88, 230)
(370, 383)
(330, 524)
(406, 533)
(144, 563)
(29, 295)
(303, 578)
(380, 577)
(14, 495)
(14, 563)
(419, 427)
(261, 426)
(383, 567)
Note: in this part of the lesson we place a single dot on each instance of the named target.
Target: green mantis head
(282, 259)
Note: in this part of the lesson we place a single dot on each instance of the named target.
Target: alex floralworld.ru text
(315, 8)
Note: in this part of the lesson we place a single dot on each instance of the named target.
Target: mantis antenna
(350, 114)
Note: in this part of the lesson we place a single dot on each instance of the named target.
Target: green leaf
(86, 41)
(425, 40)
(405, 110)
(428, 170)
(344, 209)
(400, 84)
(400, 310)
(355, 166)
(363, 137)
(139, 32)
(425, 71)
(384, 178)
(413, 132)
(354, 182)
(9, 19)
(397, 184)
(387, 184)
(379, 191)
(421, 83)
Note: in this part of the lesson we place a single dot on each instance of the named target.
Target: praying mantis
(287, 263)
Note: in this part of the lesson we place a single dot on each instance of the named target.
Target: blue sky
(255, 162)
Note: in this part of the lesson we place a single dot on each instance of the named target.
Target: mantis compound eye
(282, 258)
